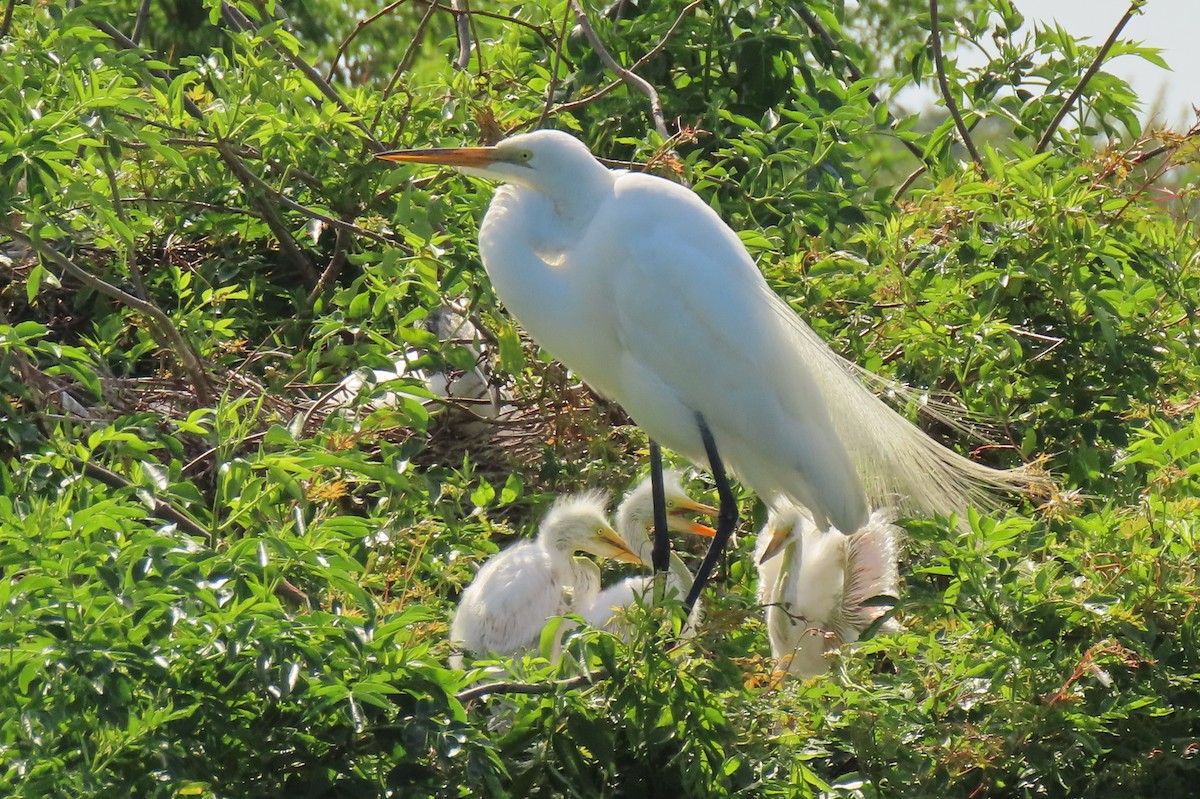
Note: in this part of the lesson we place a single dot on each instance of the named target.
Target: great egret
(816, 585)
(506, 606)
(635, 521)
(638, 286)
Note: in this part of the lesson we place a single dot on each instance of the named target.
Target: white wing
(506, 606)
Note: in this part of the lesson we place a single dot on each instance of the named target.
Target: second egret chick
(816, 585)
(635, 524)
(506, 606)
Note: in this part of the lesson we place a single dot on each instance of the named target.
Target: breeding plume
(506, 606)
(635, 520)
(638, 286)
(816, 585)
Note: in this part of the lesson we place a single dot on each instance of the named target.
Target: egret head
(578, 524)
(783, 523)
(542, 159)
(635, 517)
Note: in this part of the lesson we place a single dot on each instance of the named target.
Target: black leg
(727, 517)
(661, 554)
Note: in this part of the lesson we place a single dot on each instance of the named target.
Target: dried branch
(507, 687)
(935, 40)
(341, 251)
(135, 273)
(191, 363)
(1134, 8)
(8, 14)
(651, 53)
(1142, 158)
(139, 23)
(814, 25)
(462, 27)
(406, 59)
(359, 28)
(630, 78)
(554, 67)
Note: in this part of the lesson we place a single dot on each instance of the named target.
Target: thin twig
(139, 23)
(502, 18)
(191, 363)
(135, 273)
(508, 687)
(1044, 142)
(630, 78)
(341, 250)
(908, 181)
(8, 14)
(359, 28)
(555, 65)
(405, 60)
(269, 213)
(814, 24)
(462, 27)
(228, 209)
(1142, 158)
(651, 53)
(935, 40)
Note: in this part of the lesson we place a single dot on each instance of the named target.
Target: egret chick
(635, 523)
(506, 606)
(816, 585)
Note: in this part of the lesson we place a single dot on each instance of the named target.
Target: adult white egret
(506, 606)
(817, 585)
(635, 521)
(638, 286)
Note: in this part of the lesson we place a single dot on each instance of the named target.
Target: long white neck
(526, 242)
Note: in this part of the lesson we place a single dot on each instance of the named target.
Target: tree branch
(630, 78)
(935, 40)
(1134, 8)
(462, 27)
(359, 28)
(8, 15)
(139, 24)
(183, 350)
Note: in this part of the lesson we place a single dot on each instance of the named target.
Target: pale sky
(1173, 26)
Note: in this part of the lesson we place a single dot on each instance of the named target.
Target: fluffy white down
(816, 589)
(517, 590)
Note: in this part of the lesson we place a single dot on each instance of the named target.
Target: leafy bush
(217, 581)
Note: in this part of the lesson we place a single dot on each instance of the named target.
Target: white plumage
(816, 585)
(506, 606)
(635, 522)
(636, 284)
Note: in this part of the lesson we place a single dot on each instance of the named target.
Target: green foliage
(216, 583)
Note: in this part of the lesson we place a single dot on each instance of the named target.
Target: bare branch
(1134, 8)
(908, 181)
(651, 53)
(462, 26)
(341, 250)
(406, 59)
(8, 14)
(139, 23)
(935, 40)
(135, 273)
(191, 363)
(359, 28)
(630, 78)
